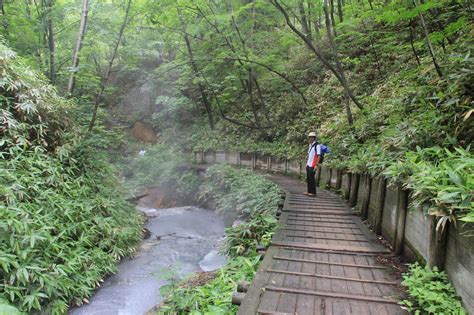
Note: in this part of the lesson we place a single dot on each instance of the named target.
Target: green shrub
(239, 190)
(244, 237)
(243, 192)
(215, 296)
(429, 292)
(64, 222)
(442, 181)
(7, 309)
(163, 167)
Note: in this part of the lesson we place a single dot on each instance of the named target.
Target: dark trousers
(310, 173)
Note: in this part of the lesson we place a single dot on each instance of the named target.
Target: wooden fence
(411, 233)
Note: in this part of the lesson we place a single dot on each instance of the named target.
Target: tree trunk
(339, 10)
(51, 44)
(105, 78)
(428, 42)
(338, 61)
(77, 49)
(194, 66)
(251, 76)
(333, 20)
(304, 20)
(412, 37)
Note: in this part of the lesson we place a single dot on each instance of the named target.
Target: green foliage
(7, 309)
(215, 296)
(157, 166)
(243, 238)
(441, 181)
(32, 115)
(64, 222)
(429, 292)
(160, 166)
(240, 191)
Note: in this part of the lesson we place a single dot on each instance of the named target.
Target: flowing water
(184, 240)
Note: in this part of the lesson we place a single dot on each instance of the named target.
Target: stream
(182, 241)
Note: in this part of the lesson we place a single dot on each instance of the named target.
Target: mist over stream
(185, 239)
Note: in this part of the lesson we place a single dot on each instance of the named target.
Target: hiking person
(314, 155)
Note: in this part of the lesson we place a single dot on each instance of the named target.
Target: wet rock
(144, 133)
(212, 261)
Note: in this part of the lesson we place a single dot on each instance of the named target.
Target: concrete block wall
(246, 159)
(389, 220)
(459, 264)
(417, 231)
(411, 233)
(233, 158)
(294, 168)
(278, 165)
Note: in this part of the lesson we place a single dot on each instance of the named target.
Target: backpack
(324, 150)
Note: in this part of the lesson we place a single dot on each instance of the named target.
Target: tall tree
(319, 55)
(428, 42)
(51, 43)
(104, 80)
(195, 68)
(78, 46)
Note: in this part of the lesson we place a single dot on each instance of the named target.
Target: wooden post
(379, 208)
(437, 244)
(202, 156)
(237, 298)
(338, 179)
(286, 166)
(254, 160)
(354, 189)
(243, 286)
(366, 197)
(269, 163)
(347, 193)
(239, 161)
(214, 157)
(402, 209)
(328, 180)
(318, 175)
(226, 157)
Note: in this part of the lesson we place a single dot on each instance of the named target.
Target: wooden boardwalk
(323, 260)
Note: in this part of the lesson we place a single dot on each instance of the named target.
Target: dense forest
(387, 85)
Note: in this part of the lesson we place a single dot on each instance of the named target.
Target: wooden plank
(325, 221)
(267, 312)
(331, 263)
(332, 277)
(327, 247)
(314, 250)
(375, 299)
(326, 238)
(320, 212)
(318, 216)
(321, 226)
(322, 231)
